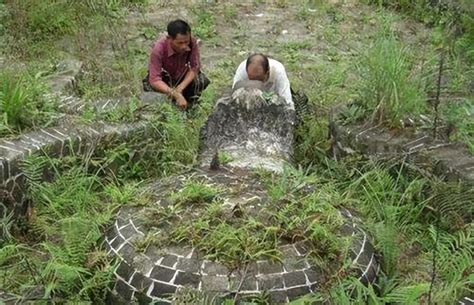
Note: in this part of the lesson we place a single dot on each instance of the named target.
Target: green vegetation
(23, 103)
(452, 39)
(387, 89)
(238, 236)
(56, 251)
(376, 58)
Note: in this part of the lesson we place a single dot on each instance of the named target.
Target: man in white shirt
(267, 70)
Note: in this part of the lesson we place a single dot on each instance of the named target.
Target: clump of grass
(24, 103)
(460, 122)
(195, 192)
(232, 244)
(224, 157)
(389, 90)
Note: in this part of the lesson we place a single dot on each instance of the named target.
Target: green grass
(204, 27)
(24, 103)
(195, 192)
(388, 90)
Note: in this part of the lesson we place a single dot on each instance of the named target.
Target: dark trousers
(191, 93)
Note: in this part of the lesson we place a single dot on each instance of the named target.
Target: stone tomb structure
(253, 130)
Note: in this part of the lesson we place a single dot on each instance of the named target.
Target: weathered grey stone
(162, 273)
(314, 274)
(249, 284)
(169, 261)
(420, 149)
(140, 282)
(267, 267)
(180, 250)
(302, 247)
(294, 263)
(65, 78)
(143, 264)
(214, 268)
(270, 282)
(214, 283)
(255, 129)
(128, 232)
(125, 290)
(370, 273)
(278, 297)
(162, 289)
(127, 251)
(294, 293)
(187, 279)
(188, 265)
(296, 278)
(143, 299)
(124, 271)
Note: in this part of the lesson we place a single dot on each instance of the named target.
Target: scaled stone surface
(253, 127)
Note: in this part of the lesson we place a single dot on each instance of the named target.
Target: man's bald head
(258, 67)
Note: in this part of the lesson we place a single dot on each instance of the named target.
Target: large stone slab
(253, 127)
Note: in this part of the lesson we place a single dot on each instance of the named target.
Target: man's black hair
(178, 26)
(259, 58)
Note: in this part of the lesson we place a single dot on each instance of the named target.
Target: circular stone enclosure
(154, 242)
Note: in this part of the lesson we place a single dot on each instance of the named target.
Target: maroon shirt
(166, 62)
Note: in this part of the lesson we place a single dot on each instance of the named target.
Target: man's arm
(188, 78)
(283, 84)
(195, 66)
(240, 74)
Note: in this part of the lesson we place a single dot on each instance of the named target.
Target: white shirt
(277, 80)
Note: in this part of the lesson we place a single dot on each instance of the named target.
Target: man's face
(256, 72)
(180, 43)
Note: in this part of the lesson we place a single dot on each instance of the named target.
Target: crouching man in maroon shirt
(174, 66)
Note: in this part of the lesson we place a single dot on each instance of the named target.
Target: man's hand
(179, 89)
(181, 101)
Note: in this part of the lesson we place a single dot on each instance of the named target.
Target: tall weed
(389, 90)
(24, 103)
